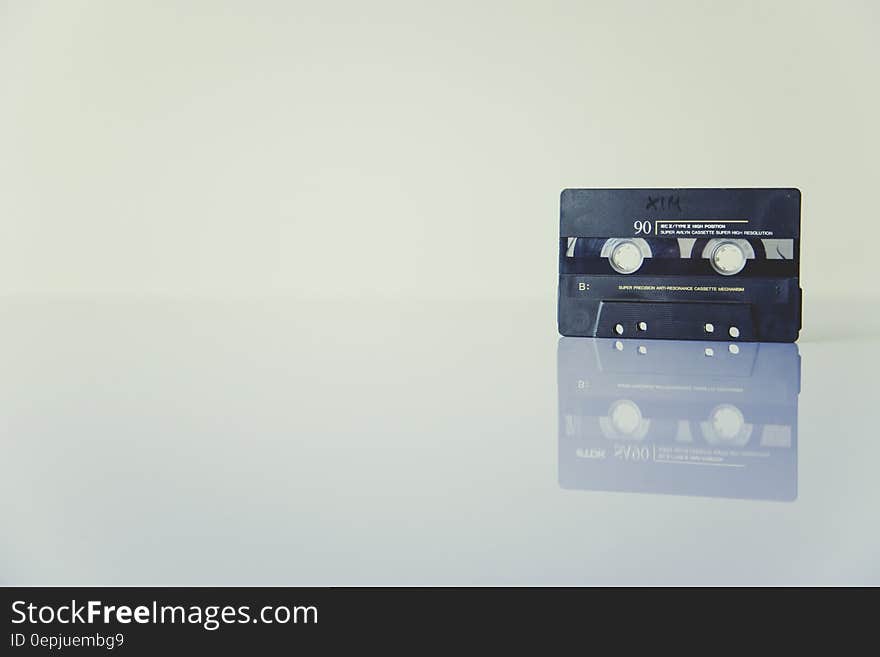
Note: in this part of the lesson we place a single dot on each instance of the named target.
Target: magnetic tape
(696, 264)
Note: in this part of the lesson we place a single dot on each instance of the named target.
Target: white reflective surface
(282, 442)
(631, 414)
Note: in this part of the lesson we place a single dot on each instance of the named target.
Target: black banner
(136, 621)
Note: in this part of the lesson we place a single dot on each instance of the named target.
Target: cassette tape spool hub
(728, 258)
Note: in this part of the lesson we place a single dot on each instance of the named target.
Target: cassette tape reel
(677, 263)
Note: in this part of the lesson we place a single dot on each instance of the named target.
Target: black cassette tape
(692, 264)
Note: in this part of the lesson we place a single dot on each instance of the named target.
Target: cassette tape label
(728, 228)
(606, 256)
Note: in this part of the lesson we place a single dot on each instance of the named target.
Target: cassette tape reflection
(687, 264)
(678, 417)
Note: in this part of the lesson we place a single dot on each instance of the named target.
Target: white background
(411, 149)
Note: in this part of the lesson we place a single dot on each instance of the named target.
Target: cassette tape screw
(643, 350)
(733, 349)
(709, 351)
(709, 327)
(643, 326)
(618, 345)
(734, 332)
(618, 328)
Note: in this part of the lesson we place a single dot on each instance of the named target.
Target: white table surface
(151, 441)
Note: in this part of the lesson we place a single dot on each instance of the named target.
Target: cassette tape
(708, 419)
(685, 264)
